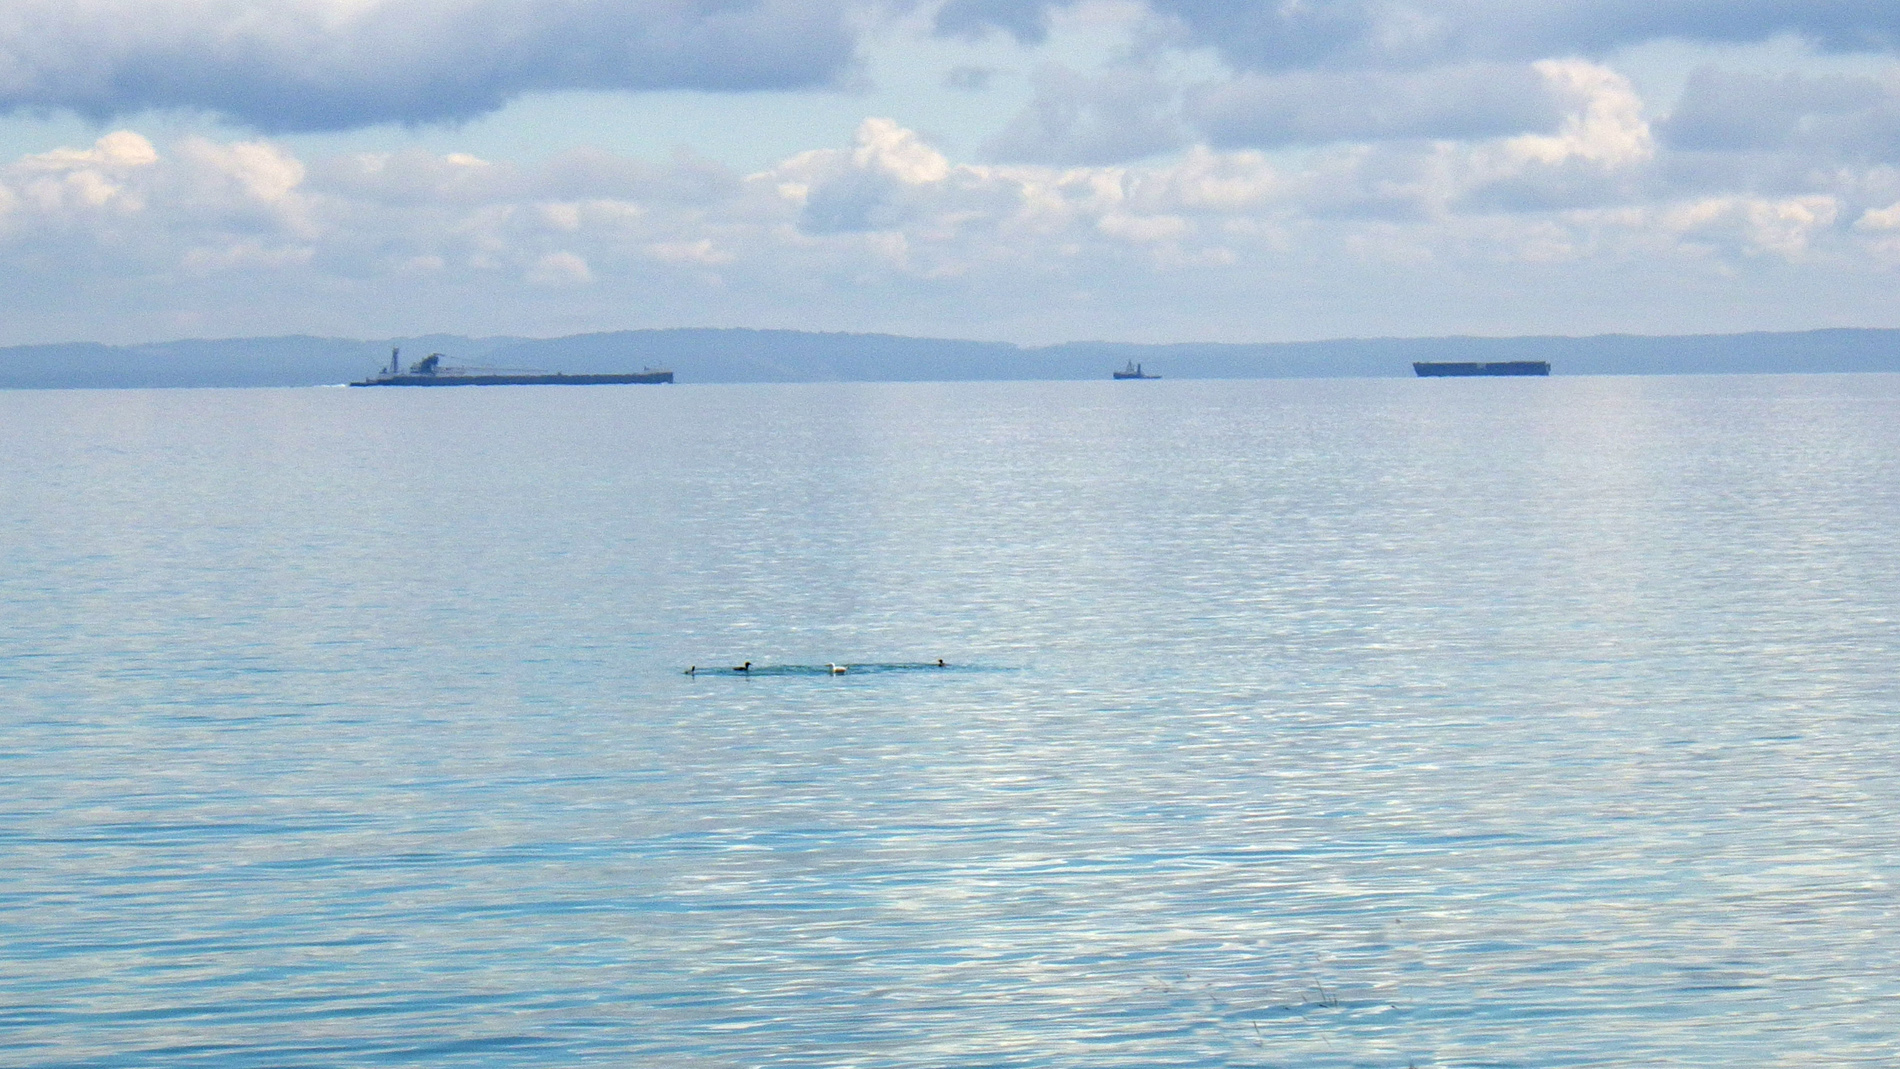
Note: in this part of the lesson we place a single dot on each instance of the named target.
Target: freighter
(1508, 367)
(429, 371)
(1133, 371)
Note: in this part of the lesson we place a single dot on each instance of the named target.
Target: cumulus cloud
(876, 187)
(122, 207)
(701, 252)
(72, 182)
(1604, 124)
(293, 65)
(1580, 193)
(891, 197)
(858, 228)
(557, 269)
(1726, 225)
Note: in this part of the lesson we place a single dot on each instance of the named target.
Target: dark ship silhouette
(429, 371)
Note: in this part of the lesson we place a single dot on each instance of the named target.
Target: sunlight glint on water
(1352, 723)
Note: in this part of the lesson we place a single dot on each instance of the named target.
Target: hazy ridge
(706, 355)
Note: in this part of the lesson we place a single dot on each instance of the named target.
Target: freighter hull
(1454, 370)
(517, 380)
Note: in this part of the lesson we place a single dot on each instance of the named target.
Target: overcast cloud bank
(282, 65)
(1347, 34)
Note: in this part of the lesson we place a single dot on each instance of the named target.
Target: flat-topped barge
(1427, 370)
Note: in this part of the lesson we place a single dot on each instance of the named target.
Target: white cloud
(1887, 218)
(1143, 229)
(69, 181)
(887, 148)
(558, 269)
(701, 253)
(118, 151)
(369, 214)
(1604, 123)
(244, 255)
(890, 231)
(1783, 227)
(559, 216)
(263, 171)
(1730, 230)
(1232, 182)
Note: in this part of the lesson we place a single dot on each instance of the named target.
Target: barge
(1427, 370)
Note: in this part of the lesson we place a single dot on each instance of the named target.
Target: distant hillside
(795, 356)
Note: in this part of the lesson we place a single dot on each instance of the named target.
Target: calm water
(1354, 723)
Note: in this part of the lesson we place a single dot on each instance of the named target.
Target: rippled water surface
(1351, 723)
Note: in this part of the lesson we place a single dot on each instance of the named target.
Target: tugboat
(429, 371)
(1133, 371)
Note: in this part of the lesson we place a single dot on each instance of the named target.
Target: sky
(1013, 170)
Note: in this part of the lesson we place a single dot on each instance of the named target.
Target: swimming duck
(746, 667)
(836, 669)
